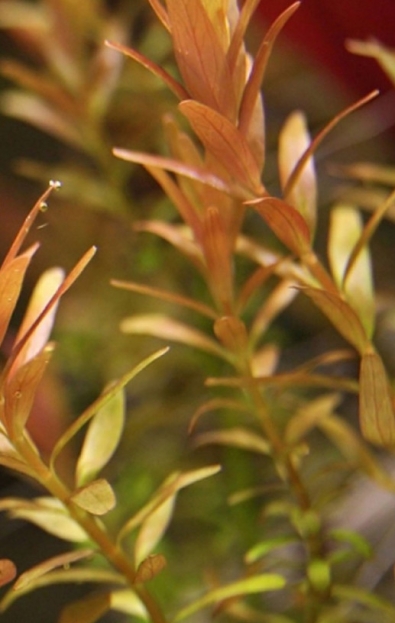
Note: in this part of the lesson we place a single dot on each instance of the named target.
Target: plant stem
(90, 524)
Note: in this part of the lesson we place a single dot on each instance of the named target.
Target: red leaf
(7, 571)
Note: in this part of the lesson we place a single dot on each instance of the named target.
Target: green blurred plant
(292, 563)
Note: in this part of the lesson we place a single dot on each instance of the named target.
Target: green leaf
(97, 497)
(101, 439)
(384, 609)
(62, 560)
(152, 529)
(319, 574)
(358, 543)
(101, 402)
(171, 486)
(376, 413)
(266, 547)
(87, 610)
(254, 584)
(7, 571)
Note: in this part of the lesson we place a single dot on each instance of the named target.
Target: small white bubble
(55, 184)
(43, 206)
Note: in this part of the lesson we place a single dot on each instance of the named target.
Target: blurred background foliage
(66, 100)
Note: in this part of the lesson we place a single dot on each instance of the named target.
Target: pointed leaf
(307, 417)
(294, 140)
(341, 315)
(149, 568)
(214, 404)
(278, 300)
(266, 547)
(237, 438)
(63, 560)
(286, 223)
(153, 528)
(87, 610)
(7, 571)
(164, 327)
(376, 412)
(200, 56)
(101, 439)
(345, 231)
(101, 402)
(45, 289)
(11, 279)
(97, 497)
(254, 584)
(225, 142)
(21, 389)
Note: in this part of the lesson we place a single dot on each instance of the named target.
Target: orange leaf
(200, 56)
(11, 279)
(288, 225)
(149, 568)
(376, 413)
(62, 560)
(97, 497)
(341, 315)
(7, 571)
(87, 610)
(225, 142)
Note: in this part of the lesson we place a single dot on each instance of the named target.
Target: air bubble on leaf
(43, 206)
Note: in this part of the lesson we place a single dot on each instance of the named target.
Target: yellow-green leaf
(97, 497)
(164, 327)
(254, 584)
(357, 284)
(126, 601)
(153, 528)
(294, 140)
(101, 439)
(236, 437)
(376, 412)
(63, 560)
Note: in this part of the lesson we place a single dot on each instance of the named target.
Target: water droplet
(43, 206)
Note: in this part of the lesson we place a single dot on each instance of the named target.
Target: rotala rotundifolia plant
(298, 444)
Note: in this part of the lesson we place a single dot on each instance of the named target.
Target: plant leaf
(101, 439)
(128, 602)
(286, 223)
(87, 610)
(236, 437)
(149, 568)
(200, 56)
(62, 560)
(307, 417)
(225, 143)
(97, 497)
(345, 231)
(376, 413)
(341, 315)
(294, 140)
(153, 528)
(7, 571)
(164, 327)
(254, 584)
(101, 402)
